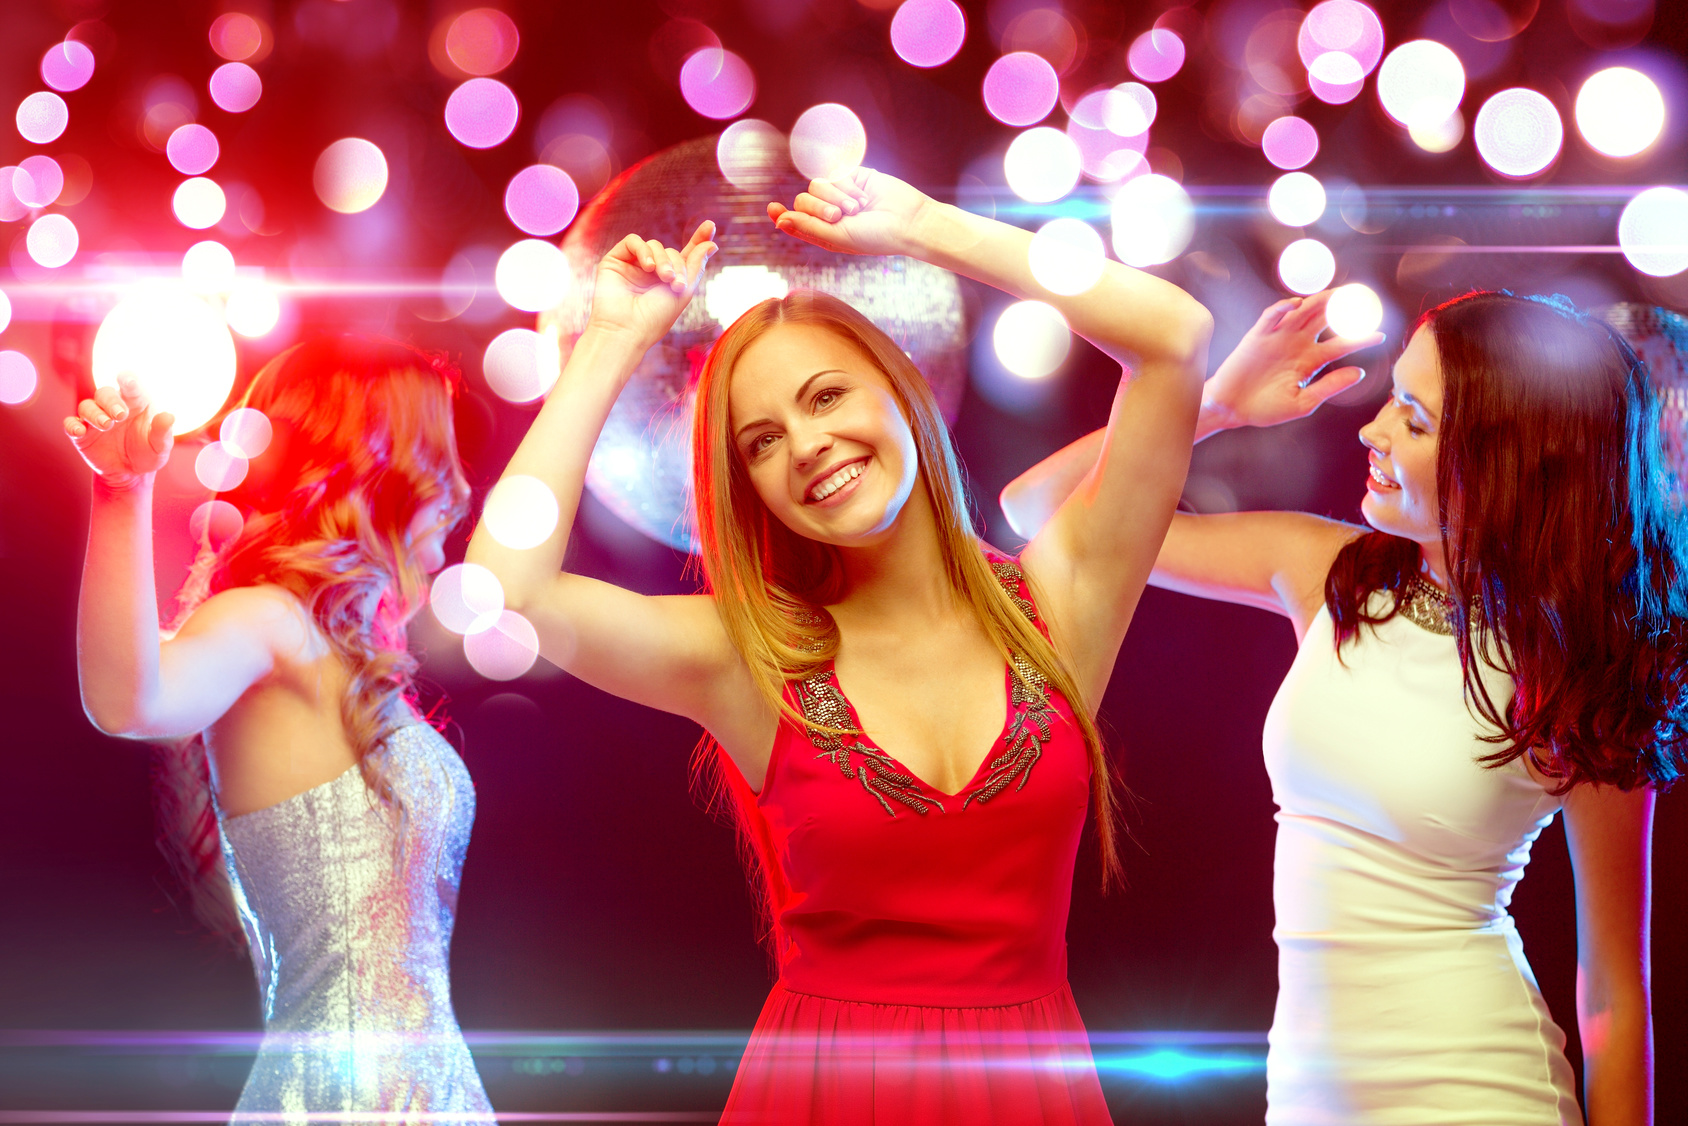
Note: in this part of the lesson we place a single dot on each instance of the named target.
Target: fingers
(94, 416)
(696, 257)
(1334, 383)
(1338, 346)
(159, 436)
(133, 394)
(705, 233)
(1311, 311)
(832, 193)
(804, 226)
(1273, 314)
(110, 400)
(75, 429)
(810, 204)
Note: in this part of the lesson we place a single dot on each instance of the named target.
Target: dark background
(599, 893)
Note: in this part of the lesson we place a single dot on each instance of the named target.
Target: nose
(1373, 438)
(808, 445)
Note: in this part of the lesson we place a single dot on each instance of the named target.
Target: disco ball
(1660, 337)
(641, 467)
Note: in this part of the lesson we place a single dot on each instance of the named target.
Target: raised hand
(1268, 378)
(642, 285)
(119, 435)
(859, 212)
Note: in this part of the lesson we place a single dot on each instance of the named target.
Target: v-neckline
(862, 736)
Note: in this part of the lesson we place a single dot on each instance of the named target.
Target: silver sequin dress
(348, 915)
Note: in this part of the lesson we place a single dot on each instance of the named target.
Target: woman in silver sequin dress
(304, 799)
(1506, 643)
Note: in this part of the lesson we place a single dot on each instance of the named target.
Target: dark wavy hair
(1566, 544)
(362, 440)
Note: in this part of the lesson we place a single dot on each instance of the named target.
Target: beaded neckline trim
(1032, 719)
(1428, 607)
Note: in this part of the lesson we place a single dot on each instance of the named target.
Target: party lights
(521, 512)
(175, 344)
(1021, 88)
(1153, 220)
(1296, 199)
(827, 140)
(1620, 111)
(532, 275)
(928, 33)
(521, 365)
(1031, 339)
(1067, 256)
(1653, 231)
(42, 117)
(482, 113)
(1518, 132)
(1042, 165)
(198, 203)
(1306, 266)
(1354, 311)
(1156, 55)
(350, 175)
(466, 598)
(1421, 83)
(52, 241)
(541, 199)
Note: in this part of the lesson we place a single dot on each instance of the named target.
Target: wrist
(1214, 417)
(122, 486)
(608, 347)
(930, 228)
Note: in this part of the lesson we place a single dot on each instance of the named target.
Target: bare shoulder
(1307, 546)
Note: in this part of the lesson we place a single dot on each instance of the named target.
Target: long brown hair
(1565, 547)
(362, 441)
(772, 586)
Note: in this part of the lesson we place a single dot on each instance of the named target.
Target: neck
(902, 571)
(1433, 564)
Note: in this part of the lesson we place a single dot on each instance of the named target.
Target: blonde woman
(905, 717)
(301, 792)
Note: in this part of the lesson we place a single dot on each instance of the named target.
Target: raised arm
(667, 652)
(1610, 837)
(1275, 561)
(134, 684)
(1090, 561)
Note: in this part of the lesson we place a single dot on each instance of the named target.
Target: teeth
(837, 481)
(1381, 479)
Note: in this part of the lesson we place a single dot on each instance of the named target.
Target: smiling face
(427, 531)
(1401, 493)
(821, 435)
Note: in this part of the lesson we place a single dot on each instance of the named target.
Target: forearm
(1131, 315)
(1617, 1040)
(556, 451)
(117, 642)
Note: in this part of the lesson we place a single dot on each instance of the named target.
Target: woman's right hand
(642, 286)
(120, 436)
(1267, 378)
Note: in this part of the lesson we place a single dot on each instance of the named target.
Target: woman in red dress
(906, 718)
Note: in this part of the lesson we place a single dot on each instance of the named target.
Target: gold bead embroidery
(1427, 606)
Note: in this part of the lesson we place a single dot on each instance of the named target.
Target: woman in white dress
(303, 795)
(1508, 641)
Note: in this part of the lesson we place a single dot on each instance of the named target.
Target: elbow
(1194, 334)
(114, 718)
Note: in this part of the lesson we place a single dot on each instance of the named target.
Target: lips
(834, 481)
(1376, 479)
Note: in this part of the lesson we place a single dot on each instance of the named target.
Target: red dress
(920, 936)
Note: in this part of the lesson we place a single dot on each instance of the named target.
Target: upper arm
(233, 640)
(669, 652)
(1275, 561)
(1609, 832)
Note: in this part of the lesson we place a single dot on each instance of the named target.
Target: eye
(826, 397)
(1415, 429)
(760, 443)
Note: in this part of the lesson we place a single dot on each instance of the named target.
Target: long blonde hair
(363, 440)
(771, 585)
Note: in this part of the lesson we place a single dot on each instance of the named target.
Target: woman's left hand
(858, 212)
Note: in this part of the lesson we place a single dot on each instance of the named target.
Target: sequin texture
(348, 913)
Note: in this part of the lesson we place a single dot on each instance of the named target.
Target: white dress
(1403, 993)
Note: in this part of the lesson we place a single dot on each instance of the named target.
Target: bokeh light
(236, 36)
(1031, 339)
(1129, 109)
(11, 207)
(37, 180)
(541, 199)
(521, 512)
(1620, 111)
(1306, 265)
(5, 311)
(198, 203)
(746, 150)
(1421, 83)
(175, 345)
(350, 175)
(1444, 136)
(236, 87)
(192, 149)
(42, 117)
(1021, 88)
(1336, 77)
(734, 289)
(928, 33)
(717, 83)
(1153, 220)
(52, 241)
(1042, 165)
(1104, 155)
(1653, 232)
(67, 66)
(504, 651)
(532, 275)
(1156, 55)
(253, 308)
(1296, 199)
(245, 432)
(521, 365)
(1340, 41)
(466, 598)
(208, 268)
(1354, 311)
(1067, 256)
(1518, 132)
(482, 41)
(214, 523)
(1290, 142)
(482, 113)
(827, 140)
(219, 468)
(17, 378)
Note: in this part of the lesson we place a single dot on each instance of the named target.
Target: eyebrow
(801, 391)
